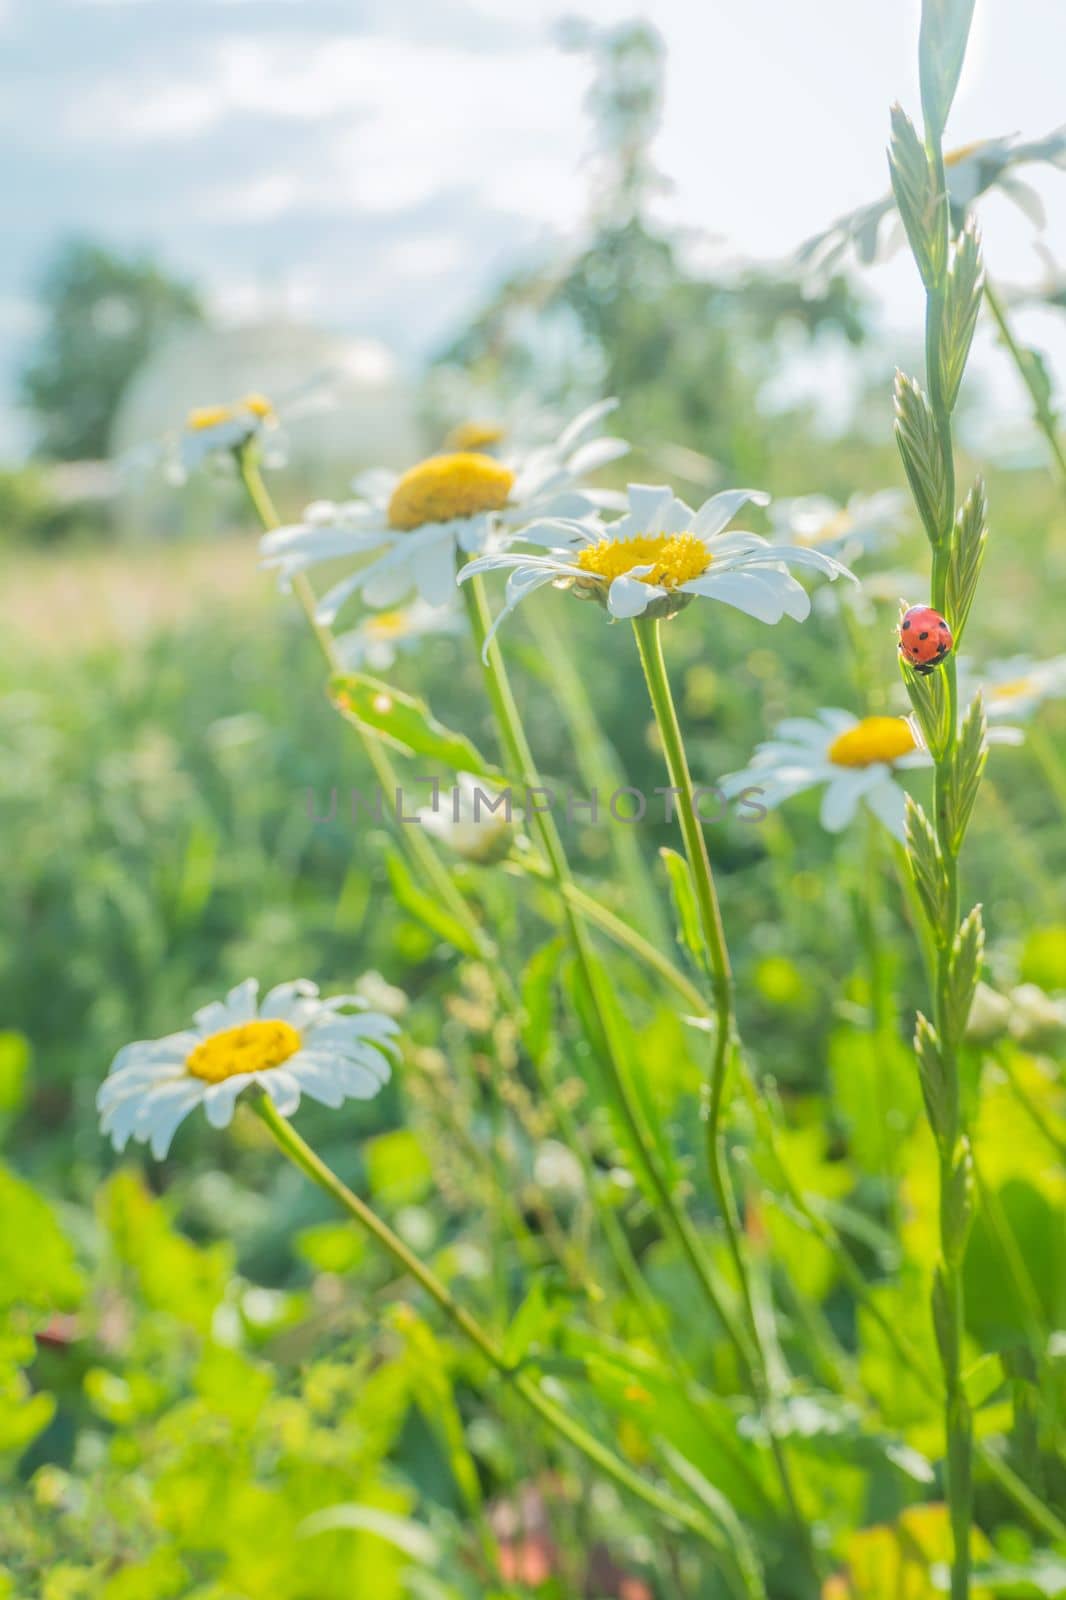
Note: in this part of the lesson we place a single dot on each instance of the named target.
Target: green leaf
(174, 1275)
(421, 905)
(14, 1065)
(967, 770)
(1041, 1577)
(398, 1169)
(962, 302)
(923, 459)
(736, 1542)
(967, 954)
(935, 1088)
(969, 538)
(535, 1318)
(37, 1267)
(931, 704)
(926, 864)
(683, 894)
(942, 39)
(410, 1537)
(958, 1204)
(920, 206)
(405, 722)
(538, 990)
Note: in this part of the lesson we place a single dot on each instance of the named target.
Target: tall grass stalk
(950, 269)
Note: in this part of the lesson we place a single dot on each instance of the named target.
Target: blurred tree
(104, 314)
(626, 315)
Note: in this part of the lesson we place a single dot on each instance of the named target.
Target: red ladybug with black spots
(924, 638)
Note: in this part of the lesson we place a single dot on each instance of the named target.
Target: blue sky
(374, 165)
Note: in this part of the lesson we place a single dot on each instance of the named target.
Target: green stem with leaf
(609, 1047)
(650, 648)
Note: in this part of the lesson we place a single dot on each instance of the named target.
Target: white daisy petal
(282, 1088)
(843, 794)
(887, 801)
(629, 597)
(648, 505)
(718, 512)
(583, 424)
(220, 1098)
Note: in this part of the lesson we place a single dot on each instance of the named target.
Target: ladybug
(924, 638)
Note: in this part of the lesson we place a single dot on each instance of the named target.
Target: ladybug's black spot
(923, 635)
(906, 623)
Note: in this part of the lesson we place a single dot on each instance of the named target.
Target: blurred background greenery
(209, 1356)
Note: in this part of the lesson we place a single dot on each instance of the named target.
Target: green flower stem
(599, 767)
(1043, 416)
(420, 851)
(649, 645)
(422, 854)
(520, 762)
(628, 939)
(559, 1421)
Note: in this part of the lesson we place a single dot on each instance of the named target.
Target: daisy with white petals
(660, 556)
(971, 171)
(290, 1043)
(1016, 687)
(855, 760)
(815, 522)
(416, 523)
(381, 636)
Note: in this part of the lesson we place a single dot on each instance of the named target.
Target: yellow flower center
(871, 740)
(258, 405)
(207, 417)
(474, 435)
(673, 558)
(250, 1047)
(445, 487)
(834, 527)
(386, 625)
(203, 417)
(1010, 691)
(953, 157)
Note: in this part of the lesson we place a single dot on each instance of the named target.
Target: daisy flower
(814, 522)
(219, 430)
(856, 760)
(290, 1043)
(383, 635)
(472, 818)
(971, 171)
(1016, 687)
(660, 556)
(462, 500)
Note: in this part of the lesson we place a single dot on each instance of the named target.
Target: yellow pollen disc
(258, 405)
(474, 435)
(250, 1047)
(207, 417)
(953, 157)
(444, 487)
(871, 740)
(673, 558)
(1012, 690)
(834, 527)
(386, 625)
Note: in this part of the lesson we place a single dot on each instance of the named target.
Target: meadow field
(645, 1244)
